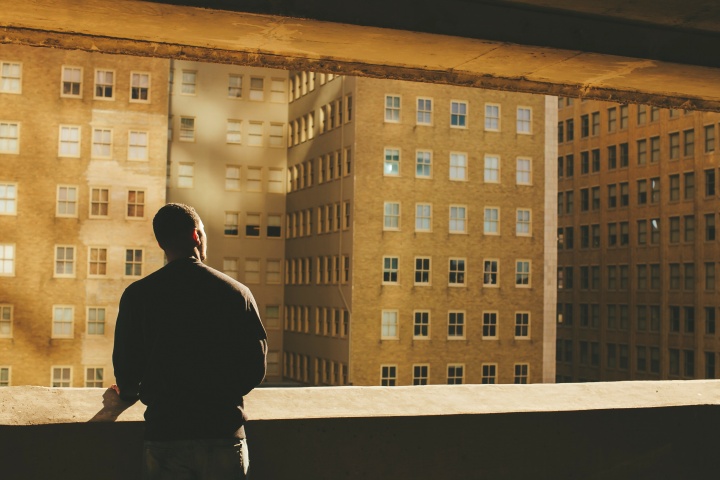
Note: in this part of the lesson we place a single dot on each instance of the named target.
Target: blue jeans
(205, 459)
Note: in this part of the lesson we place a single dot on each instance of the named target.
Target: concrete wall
(618, 430)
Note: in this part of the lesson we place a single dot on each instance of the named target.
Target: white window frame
(457, 224)
(421, 156)
(458, 171)
(392, 111)
(391, 161)
(103, 86)
(67, 201)
(72, 144)
(237, 89)
(489, 119)
(423, 112)
(420, 217)
(8, 377)
(464, 115)
(519, 273)
(256, 95)
(186, 175)
(7, 317)
(455, 366)
(71, 69)
(135, 205)
(61, 369)
(99, 325)
(255, 133)
(463, 325)
(427, 325)
(488, 222)
(140, 86)
(102, 147)
(188, 82)
(7, 259)
(488, 171)
(422, 270)
(390, 266)
(8, 140)
(61, 322)
(495, 327)
(137, 150)
(7, 79)
(92, 383)
(396, 215)
(233, 132)
(519, 172)
(98, 249)
(521, 223)
(488, 280)
(232, 183)
(389, 325)
(520, 325)
(133, 262)
(522, 122)
(8, 198)
(457, 271)
(187, 129)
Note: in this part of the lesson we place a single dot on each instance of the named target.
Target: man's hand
(116, 388)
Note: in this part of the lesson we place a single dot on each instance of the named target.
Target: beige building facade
(82, 169)
(637, 242)
(227, 157)
(417, 247)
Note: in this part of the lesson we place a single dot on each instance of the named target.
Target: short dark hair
(173, 222)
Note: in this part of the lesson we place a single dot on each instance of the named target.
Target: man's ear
(196, 236)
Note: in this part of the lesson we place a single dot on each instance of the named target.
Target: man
(189, 344)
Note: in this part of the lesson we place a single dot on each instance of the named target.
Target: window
(252, 225)
(71, 82)
(710, 183)
(521, 373)
(64, 261)
(570, 130)
(94, 377)
(6, 321)
(492, 169)
(232, 177)
(234, 86)
(458, 166)
(423, 217)
(69, 144)
(275, 180)
(524, 120)
(491, 225)
(489, 325)
(272, 272)
(62, 324)
(709, 227)
(420, 374)
(392, 161)
(624, 194)
(187, 129)
(274, 226)
(137, 145)
(66, 201)
(97, 261)
(522, 324)
(102, 143)
(252, 270)
(674, 187)
(709, 138)
(457, 219)
(391, 216)
(489, 373)
(421, 324)
(10, 77)
(96, 321)
(133, 262)
(277, 90)
(584, 126)
(492, 117)
(388, 375)
(257, 87)
(422, 271)
(522, 273)
(233, 132)
(186, 175)
(456, 325)
(254, 179)
(423, 164)
(624, 155)
(455, 374)
(424, 111)
(524, 171)
(458, 114)
(8, 198)
(688, 143)
(231, 224)
(595, 123)
(136, 204)
(456, 271)
(255, 134)
(9, 137)
(674, 139)
(392, 108)
(276, 134)
(140, 87)
(61, 377)
(7, 260)
(522, 226)
(189, 82)
(390, 270)
(104, 84)
(654, 149)
(389, 328)
(490, 273)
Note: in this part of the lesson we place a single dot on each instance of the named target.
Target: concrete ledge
(623, 430)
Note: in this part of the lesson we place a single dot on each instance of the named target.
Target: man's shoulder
(224, 278)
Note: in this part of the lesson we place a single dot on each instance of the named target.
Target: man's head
(179, 231)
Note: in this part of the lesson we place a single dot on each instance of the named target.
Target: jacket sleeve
(128, 351)
(253, 351)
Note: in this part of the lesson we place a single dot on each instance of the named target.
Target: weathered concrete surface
(621, 430)
(152, 29)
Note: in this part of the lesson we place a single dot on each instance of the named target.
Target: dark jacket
(190, 344)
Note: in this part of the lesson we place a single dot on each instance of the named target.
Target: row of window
(66, 260)
(253, 225)
(647, 359)
(329, 117)
(253, 270)
(456, 276)
(646, 317)
(330, 322)
(330, 218)
(61, 376)
(459, 114)
(455, 374)
(647, 232)
(237, 132)
(328, 270)
(646, 151)
(458, 166)
(69, 141)
(257, 91)
(331, 166)
(303, 83)
(67, 198)
(255, 178)
(326, 372)
(457, 219)
(680, 276)
(72, 79)
(455, 328)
